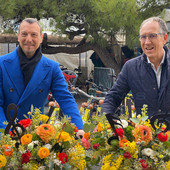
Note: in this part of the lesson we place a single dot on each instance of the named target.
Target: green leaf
(135, 120)
(69, 129)
(66, 166)
(66, 144)
(144, 118)
(167, 143)
(32, 108)
(2, 130)
(51, 165)
(86, 127)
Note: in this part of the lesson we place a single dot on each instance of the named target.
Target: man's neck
(156, 61)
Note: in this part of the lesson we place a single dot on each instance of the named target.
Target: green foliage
(98, 19)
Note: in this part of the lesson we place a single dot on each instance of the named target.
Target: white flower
(57, 162)
(124, 123)
(31, 145)
(42, 168)
(148, 152)
(48, 146)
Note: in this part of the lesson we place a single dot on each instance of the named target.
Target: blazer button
(41, 90)
(11, 90)
(159, 110)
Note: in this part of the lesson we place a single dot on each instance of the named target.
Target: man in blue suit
(26, 77)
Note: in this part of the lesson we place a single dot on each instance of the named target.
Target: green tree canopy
(97, 21)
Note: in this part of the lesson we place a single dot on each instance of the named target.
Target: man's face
(152, 47)
(29, 38)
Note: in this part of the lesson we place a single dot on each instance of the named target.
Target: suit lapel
(14, 72)
(39, 74)
(165, 80)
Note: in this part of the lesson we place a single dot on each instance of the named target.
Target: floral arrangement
(133, 144)
(128, 144)
(42, 146)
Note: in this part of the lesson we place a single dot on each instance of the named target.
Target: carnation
(162, 137)
(25, 122)
(148, 152)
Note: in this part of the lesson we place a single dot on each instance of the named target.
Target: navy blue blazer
(138, 76)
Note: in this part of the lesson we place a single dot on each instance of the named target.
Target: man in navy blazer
(146, 76)
(26, 77)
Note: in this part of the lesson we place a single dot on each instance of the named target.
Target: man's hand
(80, 134)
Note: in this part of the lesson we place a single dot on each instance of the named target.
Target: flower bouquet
(127, 144)
(42, 145)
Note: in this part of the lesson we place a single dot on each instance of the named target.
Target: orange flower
(26, 139)
(63, 137)
(87, 135)
(46, 132)
(142, 134)
(8, 150)
(122, 143)
(100, 127)
(43, 152)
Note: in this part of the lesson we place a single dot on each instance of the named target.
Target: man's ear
(165, 38)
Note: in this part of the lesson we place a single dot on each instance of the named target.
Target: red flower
(76, 129)
(25, 122)
(144, 165)
(142, 160)
(63, 158)
(96, 145)
(11, 134)
(25, 157)
(127, 155)
(120, 132)
(162, 137)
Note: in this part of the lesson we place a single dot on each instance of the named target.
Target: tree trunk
(103, 53)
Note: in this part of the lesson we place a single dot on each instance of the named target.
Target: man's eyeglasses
(150, 36)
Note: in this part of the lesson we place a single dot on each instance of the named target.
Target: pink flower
(85, 143)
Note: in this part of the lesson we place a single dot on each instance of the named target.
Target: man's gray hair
(161, 22)
(31, 21)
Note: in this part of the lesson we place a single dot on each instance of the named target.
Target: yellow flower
(100, 127)
(26, 139)
(161, 156)
(167, 165)
(46, 132)
(76, 157)
(132, 149)
(43, 152)
(44, 118)
(63, 137)
(2, 161)
(109, 163)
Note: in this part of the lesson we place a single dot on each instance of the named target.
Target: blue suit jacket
(46, 76)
